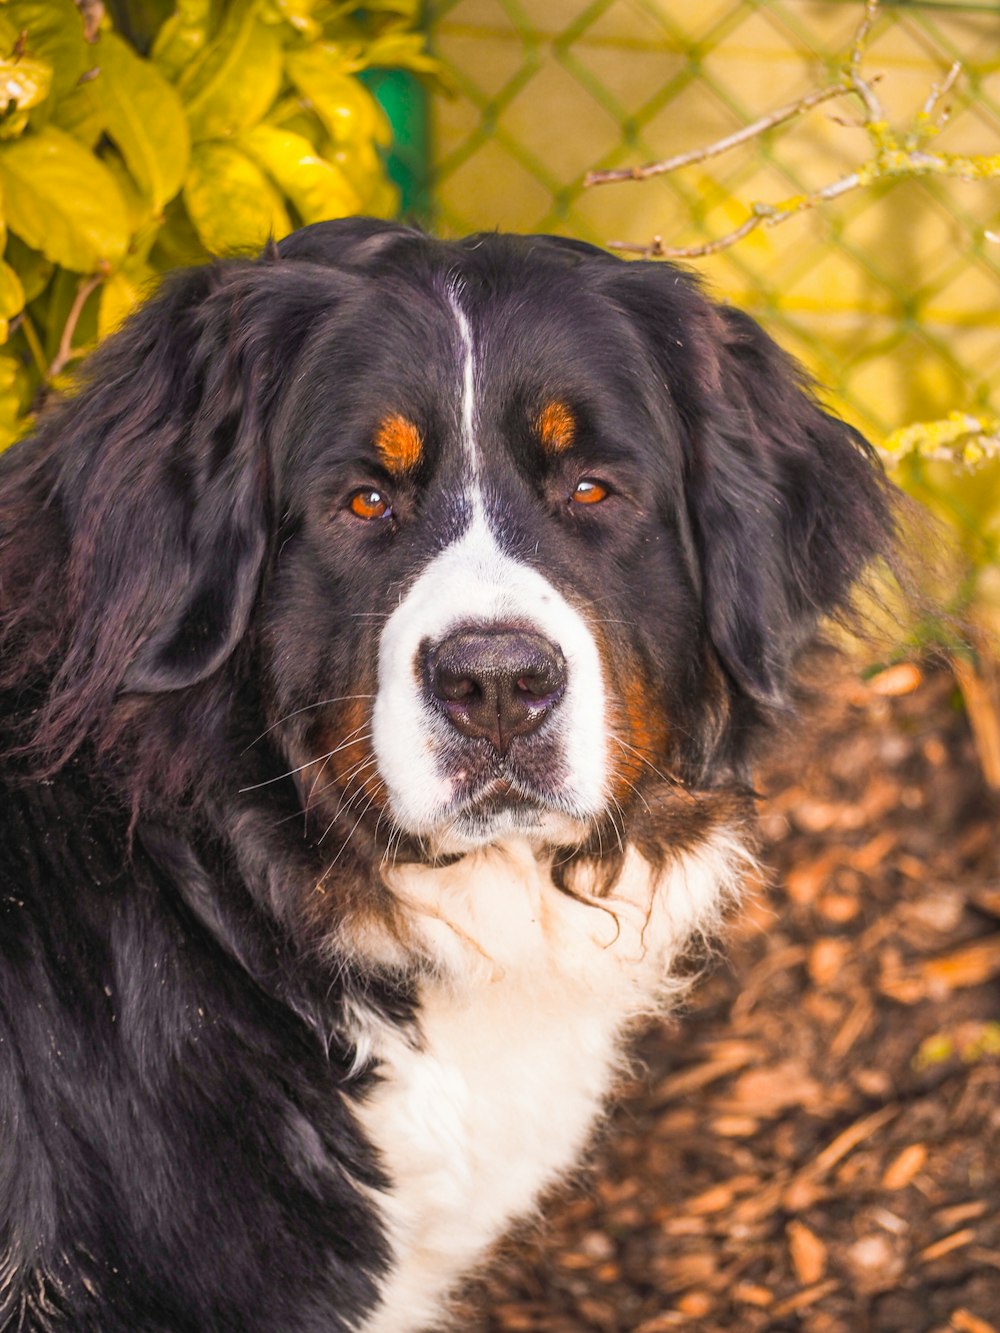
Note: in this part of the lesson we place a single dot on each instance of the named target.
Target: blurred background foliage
(137, 135)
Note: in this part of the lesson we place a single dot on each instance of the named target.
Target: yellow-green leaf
(10, 400)
(236, 78)
(344, 105)
(11, 297)
(299, 14)
(145, 118)
(317, 188)
(363, 167)
(183, 36)
(139, 210)
(401, 50)
(62, 201)
(13, 124)
(233, 205)
(144, 223)
(32, 268)
(55, 35)
(408, 9)
(177, 244)
(81, 113)
(24, 82)
(120, 295)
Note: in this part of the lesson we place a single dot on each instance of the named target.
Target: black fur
(179, 589)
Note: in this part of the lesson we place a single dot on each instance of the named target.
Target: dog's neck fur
(492, 1095)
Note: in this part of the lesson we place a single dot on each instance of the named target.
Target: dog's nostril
(457, 689)
(537, 686)
(496, 683)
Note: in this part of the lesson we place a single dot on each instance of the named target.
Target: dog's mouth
(505, 807)
(502, 796)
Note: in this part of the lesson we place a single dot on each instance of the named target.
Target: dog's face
(508, 533)
(492, 545)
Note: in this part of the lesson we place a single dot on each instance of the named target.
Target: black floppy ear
(163, 482)
(159, 473)
(788, 504)
(220, 543)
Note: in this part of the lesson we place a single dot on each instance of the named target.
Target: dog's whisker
(348, 800)
(350, 835)
(352, 737)
(320, 703)
(614, 825)
(671, 781)
(338, 778)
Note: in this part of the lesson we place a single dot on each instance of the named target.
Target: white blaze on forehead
(468, 389)
(475, 581)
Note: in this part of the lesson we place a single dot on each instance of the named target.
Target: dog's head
(492, 537)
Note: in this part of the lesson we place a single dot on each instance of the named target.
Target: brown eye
(590, 492)
(369, 503)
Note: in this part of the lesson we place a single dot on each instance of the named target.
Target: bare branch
(65, 353)
(768, 122)
(657, 250)
(939, 91)
(860, 42)
(762, 215)
(893, 153)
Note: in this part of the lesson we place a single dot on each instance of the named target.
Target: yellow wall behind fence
(891, 295)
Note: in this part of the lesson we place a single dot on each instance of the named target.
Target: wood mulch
(815, 1144)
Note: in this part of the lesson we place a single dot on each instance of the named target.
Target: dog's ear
(786, 503)
(208, 475)
(789, 505)
(163, 484)
(160, 473)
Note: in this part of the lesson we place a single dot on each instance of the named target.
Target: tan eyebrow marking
(556, 427)
(399, 442)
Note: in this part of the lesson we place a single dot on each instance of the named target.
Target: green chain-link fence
(891, 295)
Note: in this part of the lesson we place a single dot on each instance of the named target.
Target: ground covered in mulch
(815, 1144)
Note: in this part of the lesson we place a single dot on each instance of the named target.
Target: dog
(389, 626)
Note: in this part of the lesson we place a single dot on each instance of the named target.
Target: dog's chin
(500, 814)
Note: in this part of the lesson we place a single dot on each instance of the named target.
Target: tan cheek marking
(399, 443)
(346, 777)
(556, 427)
(643, 727)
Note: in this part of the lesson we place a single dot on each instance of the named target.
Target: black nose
(496, 683)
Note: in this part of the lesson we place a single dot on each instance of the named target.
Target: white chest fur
(520, 1027)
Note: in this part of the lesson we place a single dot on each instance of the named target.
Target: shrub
(151, 134)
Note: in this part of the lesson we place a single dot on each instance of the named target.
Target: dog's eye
(590, 492)
(369, 503)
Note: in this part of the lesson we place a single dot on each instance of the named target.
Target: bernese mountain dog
(387, 628)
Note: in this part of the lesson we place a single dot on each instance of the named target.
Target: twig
(894, 154)
(762, 215)
(768, 122)
(938, 91)
(860, 86)
(34, 343)
(65, 352)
